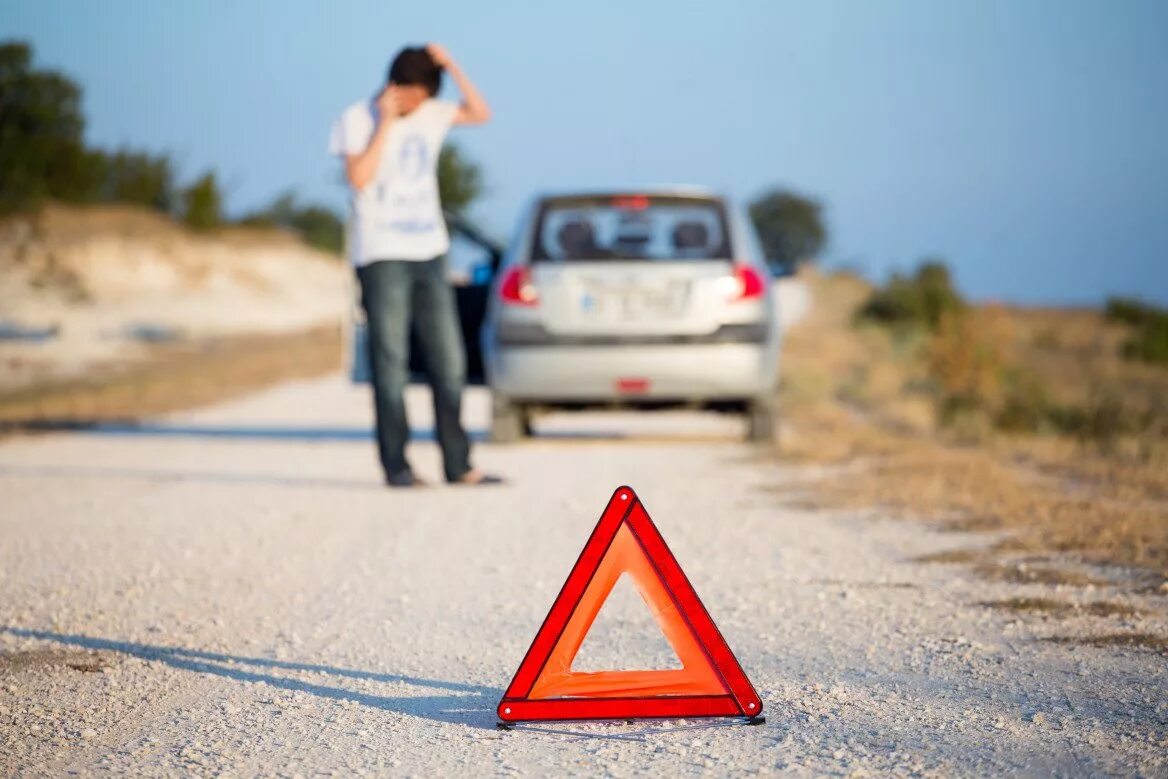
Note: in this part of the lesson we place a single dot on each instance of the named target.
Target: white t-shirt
(397, 216)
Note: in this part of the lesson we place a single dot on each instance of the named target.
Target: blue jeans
(397, 294)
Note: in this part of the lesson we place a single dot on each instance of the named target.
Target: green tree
(279, 214)
(790, 228)
(1149, 339)
(318, 226)
(202, 203)
(42, 149)
(41, 126)
(460, 180)
(139, 178)
(321, 228)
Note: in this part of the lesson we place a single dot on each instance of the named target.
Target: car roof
(683, 190)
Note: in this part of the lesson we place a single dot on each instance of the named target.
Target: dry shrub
(965, 360)
(1026, 406)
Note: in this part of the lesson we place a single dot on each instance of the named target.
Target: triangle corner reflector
(710, 682)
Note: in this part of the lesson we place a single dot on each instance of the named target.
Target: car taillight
(517, 288)
(746, 283)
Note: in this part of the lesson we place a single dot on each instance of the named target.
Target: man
(398, 242)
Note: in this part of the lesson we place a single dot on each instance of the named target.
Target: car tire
(762, 419)
(509, 420)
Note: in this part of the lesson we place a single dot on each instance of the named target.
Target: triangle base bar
(672, 707)
(535, 724)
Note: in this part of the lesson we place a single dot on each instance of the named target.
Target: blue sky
(1024, 141)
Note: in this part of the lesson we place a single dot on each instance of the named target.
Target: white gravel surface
(232, 591)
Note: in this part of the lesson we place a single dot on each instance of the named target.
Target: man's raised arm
(474, 108)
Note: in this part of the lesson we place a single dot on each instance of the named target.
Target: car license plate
(633, 303)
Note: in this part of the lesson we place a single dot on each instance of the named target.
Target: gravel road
(231, 591)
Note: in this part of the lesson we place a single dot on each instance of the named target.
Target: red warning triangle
(710, 682)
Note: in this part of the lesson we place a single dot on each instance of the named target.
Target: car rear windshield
(631, 227)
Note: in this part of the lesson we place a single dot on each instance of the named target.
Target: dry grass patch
(1129, 640)
(976, 489)
(951, 556)
(1042, 605)
(1062, 608)
(53, 660)
(1022, 573)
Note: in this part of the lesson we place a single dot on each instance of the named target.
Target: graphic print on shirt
(414, 158)
(410, 201)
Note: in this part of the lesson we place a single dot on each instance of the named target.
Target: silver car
(631, 298)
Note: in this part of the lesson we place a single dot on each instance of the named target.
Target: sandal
(484, 479)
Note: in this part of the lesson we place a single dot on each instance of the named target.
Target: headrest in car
(576, 237)
(690, 235)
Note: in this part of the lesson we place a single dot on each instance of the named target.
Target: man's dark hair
(413, 66)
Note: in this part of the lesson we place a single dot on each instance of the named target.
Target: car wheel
(762, 420)
(509, 422)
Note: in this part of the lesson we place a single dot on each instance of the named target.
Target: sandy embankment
(102, 284)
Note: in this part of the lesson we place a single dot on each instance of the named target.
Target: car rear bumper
(528, 335)
(628, 373)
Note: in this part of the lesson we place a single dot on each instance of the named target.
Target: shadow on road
(325, 434)
(163, 475)
(459, 703)
(131, 429)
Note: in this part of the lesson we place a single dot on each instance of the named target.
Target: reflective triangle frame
(711, 682)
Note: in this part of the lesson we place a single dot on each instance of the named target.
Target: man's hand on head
(439, 54)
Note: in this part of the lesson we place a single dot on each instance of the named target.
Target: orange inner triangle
(695, 677)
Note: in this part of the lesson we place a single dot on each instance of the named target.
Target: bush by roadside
(1149, 341)
(990, 368)
(923, 299)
